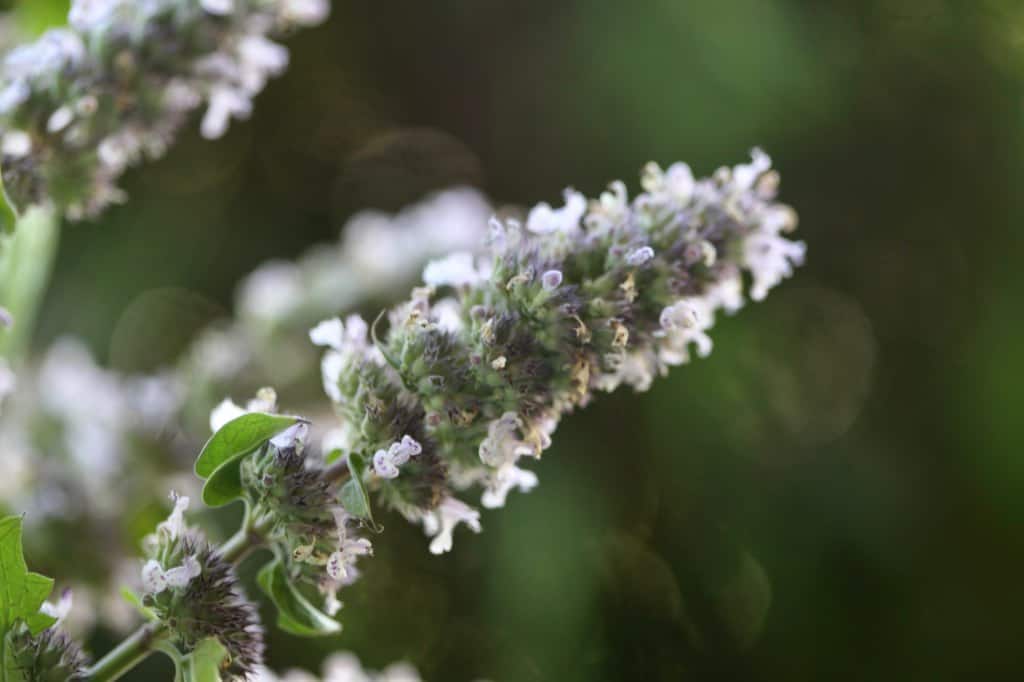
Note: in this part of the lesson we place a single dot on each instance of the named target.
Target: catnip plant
(454, 390)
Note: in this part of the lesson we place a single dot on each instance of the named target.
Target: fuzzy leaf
(203, 664)
(238, 437)
(21, 592)
(295, 614)
(353, 495)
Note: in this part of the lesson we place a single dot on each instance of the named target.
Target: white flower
(292, 437)
(8, 380)
(610, 210)
(180, 576)
(218, 7)
(387, 462)
(60, 119)
(259, 58)
(155, 579)
(330, 333)
(454, 270)
(673, 186)
(745, 175)
(341, 562)
(227, 410)
(441, 522)
(680, 315)
(305, 12)
(770, 259)
(60, 610)
(640, 256)
(503, 480)
(272, 292)
(174, 526)
(16, 143)
(566, 220)
(551, 280)
(225, 103)
(502, 444)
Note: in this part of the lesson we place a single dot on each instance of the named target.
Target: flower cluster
(51, 655)
(479, 367)
(296, 502)
(188, 585)
(86, 101)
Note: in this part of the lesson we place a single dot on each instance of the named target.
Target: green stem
(128, 653)
(26, 262)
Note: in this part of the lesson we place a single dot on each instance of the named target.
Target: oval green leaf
(238, 437)
(295, 614)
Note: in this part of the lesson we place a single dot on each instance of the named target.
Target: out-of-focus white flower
(227, 410)
(60, 609)
(155, 579)
(272, 291)
(225, 103)
(305, 12)
(16, 143)
(218, 7)
(8, 380)
(454, 270)
(544, 219)
(674, 185)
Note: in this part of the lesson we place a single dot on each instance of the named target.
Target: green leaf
(224, 484)
(238, 437)
(353, 495)
(21, 592)
(295, 614)
(204, 663)
(8, 214)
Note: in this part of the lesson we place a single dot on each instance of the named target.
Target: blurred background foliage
(837, 493)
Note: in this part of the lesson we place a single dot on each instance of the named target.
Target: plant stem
(127, 654)
(26, 262)
(235, 549)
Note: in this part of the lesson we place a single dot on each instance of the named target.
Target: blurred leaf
(294, 612)
(353, 495)
(8, 213)
(203, 664)
(240, 436)
(21, 592)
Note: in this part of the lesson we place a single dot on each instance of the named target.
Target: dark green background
(851, 451)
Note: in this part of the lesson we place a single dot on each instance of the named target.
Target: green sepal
(295, 614)
(8, 212)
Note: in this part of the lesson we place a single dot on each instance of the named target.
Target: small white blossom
(679, 315)
(225, 103)
(387, 462)
(454, 270)
(674, 186)
(218, 7)
(153, 580)
(566, 220)
(59, 610)
(441, 523)
(504, 480)
(305, 12)
(174, 526)
(502, 444)
(180, 576)
(60, 119)
(16, 143)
